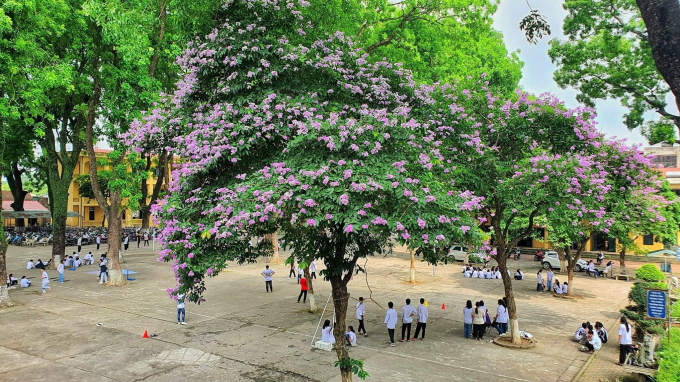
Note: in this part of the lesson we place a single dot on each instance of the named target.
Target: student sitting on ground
(601, 332)
(475, 273)
(565, 287)
(88, 259)
(593, 342)
(351, 336)
(557, 288)
(11, 280)
(327, 332)
(30, 264)
(467, 272)
(519, 275)
(77, 262)
(581, 332)
(488, 274)
(497, 275)
(25, 283)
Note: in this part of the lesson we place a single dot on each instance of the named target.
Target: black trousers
(303, 292)
(589, 346)
(391, 333)
(126, 246)
(138, 243)
(406, 328)
(623, 351)
(291, 273)
(79, 249)
(268, 285)
(313, 276)
(420, 325)
(361, 327)
(97, 246)
(146, 242)
(478, 330)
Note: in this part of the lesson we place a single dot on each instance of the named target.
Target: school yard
(242, 333)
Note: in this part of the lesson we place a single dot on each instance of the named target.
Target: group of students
(591, 338)
(481, 273)
(591, 270)
(550, 283)
(477, 319)
(408, 313)
(24, 282)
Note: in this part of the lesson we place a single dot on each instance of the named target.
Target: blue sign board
(656, 304)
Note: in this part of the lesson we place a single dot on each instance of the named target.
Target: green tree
(608, 55)
(5, 301)
(19, 159)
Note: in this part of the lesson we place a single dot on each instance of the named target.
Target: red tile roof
(29, 205)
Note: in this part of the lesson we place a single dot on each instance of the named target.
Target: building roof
(7, 195)
(29, 205)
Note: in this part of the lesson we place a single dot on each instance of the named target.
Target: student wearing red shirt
(303, 289)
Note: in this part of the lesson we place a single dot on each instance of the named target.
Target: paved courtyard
(242, 333)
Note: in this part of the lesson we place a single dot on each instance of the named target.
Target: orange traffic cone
(443, 306)
(146, 335)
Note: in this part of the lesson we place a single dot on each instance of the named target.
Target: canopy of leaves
(607, 55)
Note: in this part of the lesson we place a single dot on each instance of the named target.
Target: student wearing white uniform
(519, 275)
(361, 313)
(351, 336)
(391, 321)
(30, 264)
(25, 283)
(501, 318)
(498, 274)
(467, 319)
(181, 310)
(467, 273)
(488, 274)
(80, 243)
(312, 268)
(478, 321)
(327, 332)
(422, 314)
(625, 340)
(89, 260)
(407, 313)
(126, 241)
(593, 342)
(60, 269)
(539, 280)
(268, 273)
(44, 279)
(557, 287)
(550, 276)
(99, 241)
(475, 273)
(565, 287)
(608, 268)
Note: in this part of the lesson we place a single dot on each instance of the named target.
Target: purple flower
(209, 271)
(464, 228)
(344, 199)
(329, 216)
(349, 228)
(311, 222)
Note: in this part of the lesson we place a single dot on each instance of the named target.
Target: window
(648, 239)
(90, 213)
(668, 161)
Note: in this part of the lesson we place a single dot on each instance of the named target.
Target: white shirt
(127, 239)
(361, 310)
(488, 274)
(596, 341)
(558, 289)
(626, 335)
(467, 315)
(60, 268)
(312, 266)
(480, 317)
(327, 335)
(99, 240)
(406, 312)
(550, 275)
(564, 288)
(475, 274)
(539, 278)
(80, 240)
(44, 277)
(502, 314)
(498, 275)
(25, 283)
(180, 301)
(467, 274)
(30, 265)
(352, 338)
(267, 274)
(88, 256)
(520, 274)
(607, 268)
(391, 318)
(422, 313)
(591, 267)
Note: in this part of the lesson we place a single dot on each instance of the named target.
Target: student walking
(361, 313)
(268, 273)
(422, 319)
(126, 241)
(99, 241)
(550, 276)
(44, 281)
(303, 289)
(60, 269)
(312, 268)
(407, 313)
(180, 310)
(478, 321)
(292, 269)
(467, 319)
(539, 280)
(625, 340)
(391, 321)
(80, 243)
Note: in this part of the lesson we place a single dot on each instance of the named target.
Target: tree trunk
(59, 215)
(274, 238)
(563, 260)
(570, 278)
(622, 258)
(115, 229)
(662, 19)
(310, 292)
(502, 259)
(4, 293)
(16, 186)
(412, 278)
(340, 299)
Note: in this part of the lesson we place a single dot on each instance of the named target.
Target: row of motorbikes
(88, 235)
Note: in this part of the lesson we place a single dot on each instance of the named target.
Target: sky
(537, 74)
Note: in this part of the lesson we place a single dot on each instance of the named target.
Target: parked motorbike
(538, 256)
(517, 253)
(600, 258)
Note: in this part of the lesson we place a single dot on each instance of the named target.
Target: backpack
(488, 320)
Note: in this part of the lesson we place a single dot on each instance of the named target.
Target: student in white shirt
(146, 239)
(77, 262)
(351, 336)
(467, 319)
(312, 268)
(608, 268)
(580, 333)
(391, 321)
(268, 273)
(550, 275)
(180, 309)
(488, 274)
(361, 313)
(80, 243)
(99, 241)
(565, 287)
(475, 273)
(60, 269)
(467, 273)
(25, 283)
(407, 313)
(479, 321)
(44, 279)
(30, 264)
(300, 271)
(593, 342)
(422, 314)
(498, 274)
(625, 340)
(539, 280)
(558, 287)
(501, 318)
(519, 275)
(89, 260)
(126, 241)
(327, 332)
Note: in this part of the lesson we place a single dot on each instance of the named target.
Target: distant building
(35, 212)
